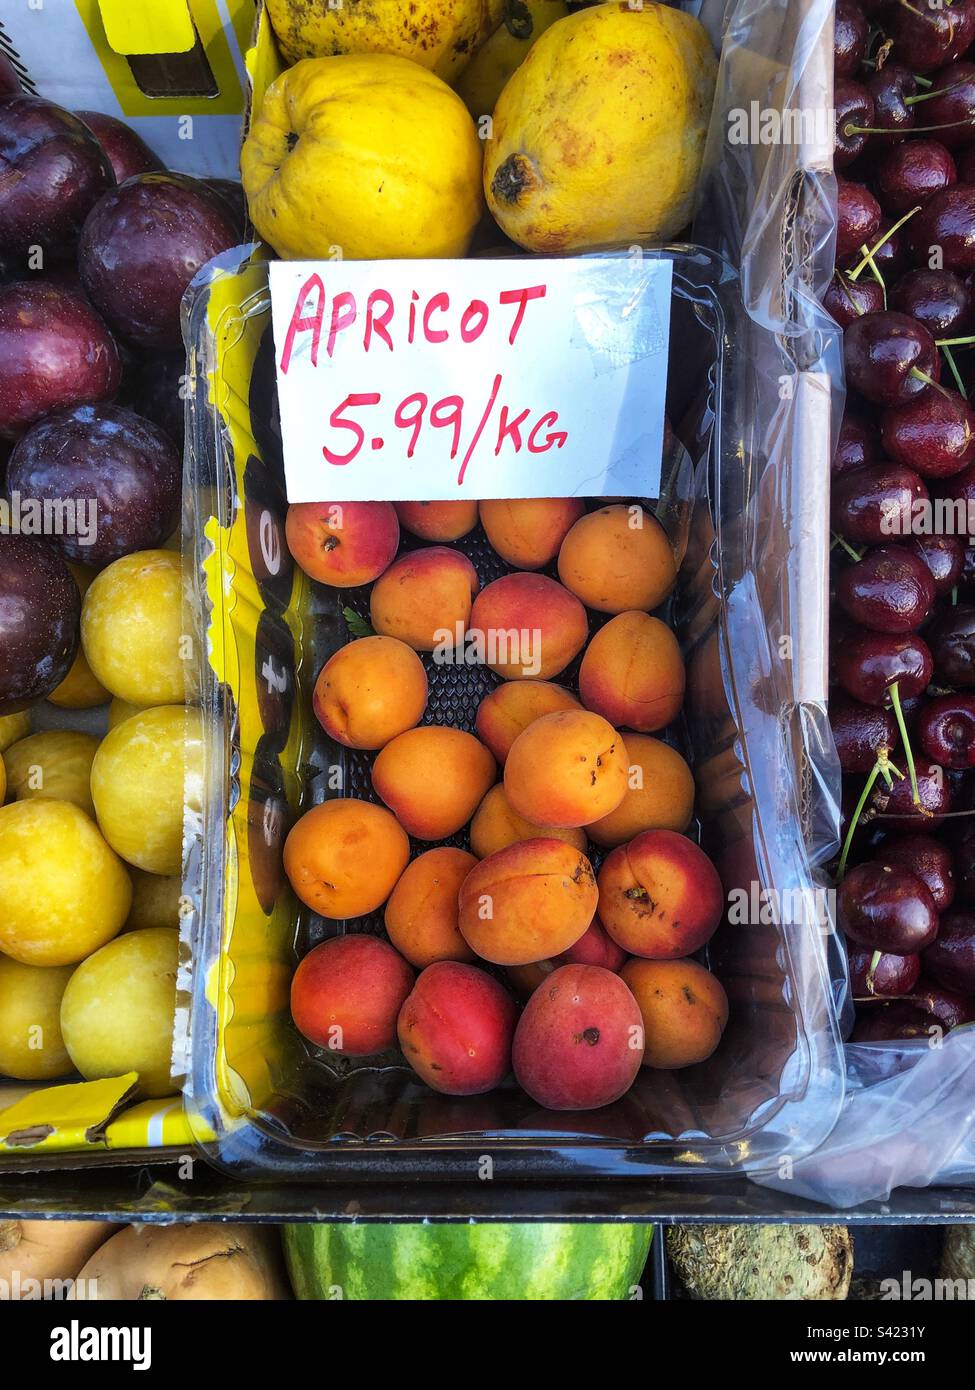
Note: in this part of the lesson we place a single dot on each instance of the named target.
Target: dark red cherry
(929, 859)
(858, 442)
(857, 219)
(876, 502)
(949, 1008)
(911, 173)
(950, 960)
(890, 251)
(947, 730)
(889, 357)
(854, 109)
(955, 504)
(951, 638)
(895, 810)
(881, 975)
(943, 232)
(850, 33)
(939, 299)
(965, 160)
(929, 33)
(886, 909)
(846, 299)
(897, 1022)
(954, 109)
(869, 663)
(944, 557)
(965, 861)
(888, 89)
(889, 590)
(860, 732)
(934, 433)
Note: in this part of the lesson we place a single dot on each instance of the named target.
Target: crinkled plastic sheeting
(908, 1117)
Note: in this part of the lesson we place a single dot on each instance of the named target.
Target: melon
(462, 1262)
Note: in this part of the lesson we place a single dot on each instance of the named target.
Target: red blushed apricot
(659, 793)
(496, 825)
(370, 691)
(633, 674)
(347, 993)
(684, 1010)
(455, 1029)
(343, 858)
(528, 626)
(437, 521)
(433, 779)
(594, 947)
(660, 896)
(512, 706)
(528, 531)
(618, 558)
(579, 1041)
(342, 544)
(566, 769)
(421, 915)
(525, 979)
(527, 902)
(424, 594)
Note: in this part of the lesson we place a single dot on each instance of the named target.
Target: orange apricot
(528, 531)
(424, 595)
(343, 858)
(421, 914)
(659, 793)
(370, 691)
(632, 673)
(618, 558)
(566, 769)
(433, 779)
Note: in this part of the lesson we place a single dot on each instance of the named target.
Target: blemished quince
(440, 35)
(485, 76)
(599, 135)
(371, 156)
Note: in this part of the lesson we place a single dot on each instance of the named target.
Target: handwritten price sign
(434, 380)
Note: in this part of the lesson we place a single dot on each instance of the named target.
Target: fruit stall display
(97, 244)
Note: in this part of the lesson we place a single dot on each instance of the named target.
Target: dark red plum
(876, 502)
(846, 299)
(951, 639)
(934, 433)
(889, 590)
(886, 910)
(52, 172)
(857, 219)
(140, 248)
(881, 975)
(850, 33)
(231, 192)
(889, 89)
(869, 663)
(947, 730)
(938, 299)
(889, 357)
(55, 352)
(945, 227)
(126, 465)
(950, 960)
(860, 732)
(895, 811)
(854, 109)
(944, 557)
(858, 442)
(127, 152)
(929, 33)
(954, 108)
(39, 610)
(158, 392)
(911, 173)
(927, 857)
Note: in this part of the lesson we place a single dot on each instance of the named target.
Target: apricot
(529, 626)
(425, 598)
(684, 1009)
(660, 896)
(455, 1029)
(370, 691)
(659, 793)
(525, 979)
(618, 558)
(437, 521)
(566, 769)
(579, 1042)
(512, 706)
(432, 779)
(594, 947)
(342, 544)
(347, 993)
(343, 858)
(421, 915)
(527, 902)
(632, 673)
(528, 531)
(497, 824)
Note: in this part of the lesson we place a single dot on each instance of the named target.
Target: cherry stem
(850, 550)
(895, 700)
(868, 258)
(939, 92)
(929, 381)
(872, 971)
(851, 129)
(854, 822)
(953, 368)
(955, 342)
(954, 596)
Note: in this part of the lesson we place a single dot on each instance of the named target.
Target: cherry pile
(902, 706)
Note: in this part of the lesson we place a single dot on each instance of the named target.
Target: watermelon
(461, 1262)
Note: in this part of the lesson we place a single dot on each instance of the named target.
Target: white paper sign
(435, 380)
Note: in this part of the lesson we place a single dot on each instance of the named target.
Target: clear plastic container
(280, 1110)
